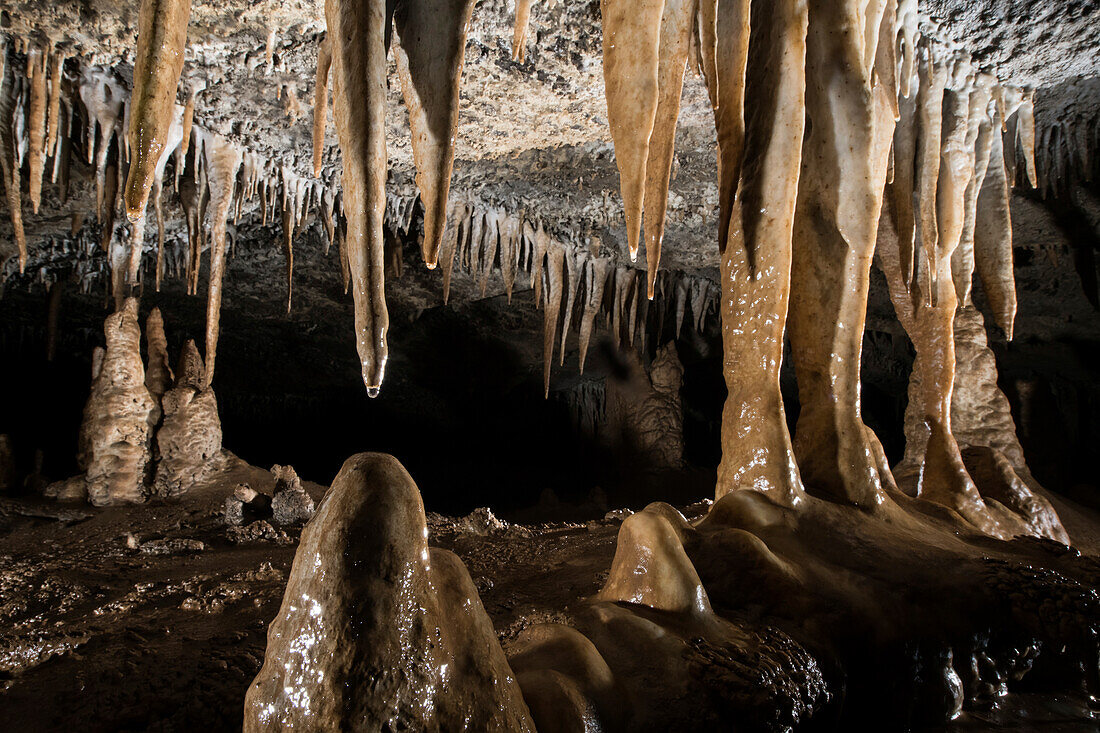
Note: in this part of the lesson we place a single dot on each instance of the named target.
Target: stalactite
(993, 236)
(429, 65)
(554, 261)
(161, 43)
(104, 99)
(903, 188)
(542, 242)
(727, 91)
(9, 84)
(223, 159)
(509, 251)
(519, 32)
(631, 51)
(1027, 136)
(844, 159)
(188, 121)
(978, 140)
(933, 77)
(53, 112)
(357, 34)
(755, 266)
(269, 50)
(489, 237)
(36, 127)
(287, 216)
(676, 24)
(320, 105)
(595, 280)
(624, 286)
(456, 220)
(574, 262)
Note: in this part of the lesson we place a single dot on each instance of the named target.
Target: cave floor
(111, 620)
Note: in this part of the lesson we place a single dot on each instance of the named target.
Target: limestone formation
(290, 503)
(189, 441)
(117, 431)
(378, 630)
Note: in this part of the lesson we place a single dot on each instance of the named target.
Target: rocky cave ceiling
(531, 135)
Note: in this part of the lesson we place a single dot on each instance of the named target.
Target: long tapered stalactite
(162, 40)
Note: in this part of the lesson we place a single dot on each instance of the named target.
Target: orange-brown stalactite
(320, 105)
(675, 33)
(9, 163)
(357, 33)
(756, 263)
(509, 228)
(573, 263)
(993, 235)
(1027, 136)
(36, 127)
(459, 219)
(542, 241)
(728, 89)
(705, 34)
(631, 52)
(519, 32)
(188, 121)
(53, 112)
(162, 40)
(223, 159)
(432, 36)
(978, 142)
(844, 160)
(932, 73)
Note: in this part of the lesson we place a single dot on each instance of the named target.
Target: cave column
(850, 105)
(756, 258)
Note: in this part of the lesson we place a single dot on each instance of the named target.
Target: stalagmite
(844, 161)
(161, 42)
(189, 440)
(158, 373)
(519, 33)
(509, 251)
(223, 159)
(631, 51)
(593, 301)
(357, 34)
(8, 161)
(574, 262)
(676, 25)
(755, 266)
(36, 127)
(429, 64)
(727, 91)
(116, 433)
(320, 105)
(554, 261)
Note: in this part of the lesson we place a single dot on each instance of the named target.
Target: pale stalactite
(932, 73)
(9, 166)
(542, 242)
(555, 257)
(978, 141)
(509, 228)
(429, 65)
(489, 241)
(756, 263)
(519, 32)
(320, 105)
(595, 280)
(161, 42)
(223, 159)
(457, 220)
(287, 215)
(993, 237)
(631, 52)
(105, 100)
(1027, 136)
(357, 34)
(574, 263)
(36, 127)
(840, 190)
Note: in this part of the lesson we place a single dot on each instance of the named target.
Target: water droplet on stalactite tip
(373, 392)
